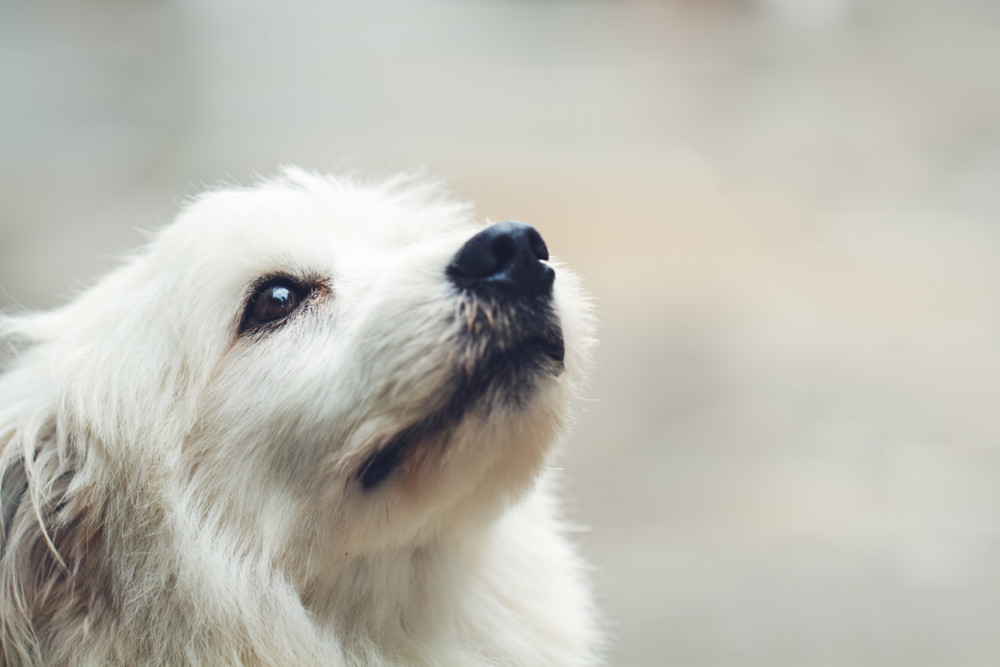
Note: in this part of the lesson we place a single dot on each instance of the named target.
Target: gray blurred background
(788, 211)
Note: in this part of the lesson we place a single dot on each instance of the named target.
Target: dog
(311, 423)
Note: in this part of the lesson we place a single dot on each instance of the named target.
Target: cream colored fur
(191, 496)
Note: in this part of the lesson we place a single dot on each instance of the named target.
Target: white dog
(308, 425)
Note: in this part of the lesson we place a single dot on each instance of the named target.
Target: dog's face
(350, 367)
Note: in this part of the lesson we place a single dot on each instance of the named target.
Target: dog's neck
(365, 596)
(374, 595)
(170, 582)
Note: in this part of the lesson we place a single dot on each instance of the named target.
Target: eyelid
(308, 287)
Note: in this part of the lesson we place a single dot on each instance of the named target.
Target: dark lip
(517, 367)
(381, 464)
(554, 348)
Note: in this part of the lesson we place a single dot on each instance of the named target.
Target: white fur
(191, 497)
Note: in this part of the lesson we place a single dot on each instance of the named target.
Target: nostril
(507, 256)
(479, 258)
(537, 245)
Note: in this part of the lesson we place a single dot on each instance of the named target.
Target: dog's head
(320, 364)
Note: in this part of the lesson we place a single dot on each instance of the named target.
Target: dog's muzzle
(509, 339)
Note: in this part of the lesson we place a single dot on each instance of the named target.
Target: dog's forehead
(311, 225)
(347, 213)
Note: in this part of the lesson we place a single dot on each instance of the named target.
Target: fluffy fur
(178, 492)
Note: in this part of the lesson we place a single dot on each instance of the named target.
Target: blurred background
(787, 209)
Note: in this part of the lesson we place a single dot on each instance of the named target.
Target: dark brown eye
(273, 301)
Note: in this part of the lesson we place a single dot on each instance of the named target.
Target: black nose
(507, 257)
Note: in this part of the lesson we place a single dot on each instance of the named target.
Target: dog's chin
(494, 376)
(545, 354)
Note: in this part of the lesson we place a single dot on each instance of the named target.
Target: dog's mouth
(551, 348)
(510, 371)
(501, 354)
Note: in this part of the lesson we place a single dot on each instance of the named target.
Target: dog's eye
(273, 301)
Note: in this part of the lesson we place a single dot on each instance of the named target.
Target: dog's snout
(508, 257)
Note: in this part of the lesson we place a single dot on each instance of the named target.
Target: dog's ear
(46, 529)
(17, 645)
(13, 484)
(50, 547)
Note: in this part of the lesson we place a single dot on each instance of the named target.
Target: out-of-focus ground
(789, 211)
